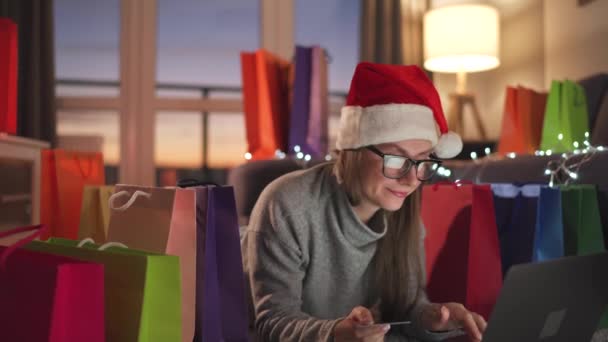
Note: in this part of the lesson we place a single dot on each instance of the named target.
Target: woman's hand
(449, 316)
(359, 326)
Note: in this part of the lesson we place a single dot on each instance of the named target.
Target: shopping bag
(462, 247)
(63, 177)
(516, 210)
(300, 109)
(549, 234)
(221, 308)
(161, 220)
(47, 297)
(582, 224)
(566, 119)
(95, 212)
(266, 102)
(522, 121)
(317, 138)
(142, 289)
(8, 76)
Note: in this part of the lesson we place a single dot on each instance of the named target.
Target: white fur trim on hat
(364, 126)
(449, 146)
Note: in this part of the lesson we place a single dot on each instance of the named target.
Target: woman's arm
(275, 274)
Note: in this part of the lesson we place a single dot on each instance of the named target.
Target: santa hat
(390, 103)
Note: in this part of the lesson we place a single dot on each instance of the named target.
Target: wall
(576, 39)
(522, 63)
(541, 40)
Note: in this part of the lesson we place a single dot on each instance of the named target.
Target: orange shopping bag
(522, 121)
(64, 175)
(266, 102)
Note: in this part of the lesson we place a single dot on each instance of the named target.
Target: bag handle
(102, 247)
(457, 184)
(39, 230)
(130, 202)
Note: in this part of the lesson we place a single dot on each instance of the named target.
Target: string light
(279, 154)
(296, 149)
(488, 151)
(575, 144)
(549, 152)
(564, 170)
(299, 155)
(248, 156)
(560, 137)
(586, 134)
(512, 155)
(473, 155)
(328, 157)
(307, 157)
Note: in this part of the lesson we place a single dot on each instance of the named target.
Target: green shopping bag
(566, 117)
(583, 232)
(143, 290)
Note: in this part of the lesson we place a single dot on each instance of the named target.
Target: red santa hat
(390, 103)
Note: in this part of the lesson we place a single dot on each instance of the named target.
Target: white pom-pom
(448, 146)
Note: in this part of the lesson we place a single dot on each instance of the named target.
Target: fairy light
(586, 134)
(512, 155)
(488, 150)
(564, 170)
(307, 157)
(296, 149)
(575, 144)
(248, 156)
(279, 154)
(328, 157)
(447, 173)
(300, 155)
(473, 155)
(560, 137)
(549, 152)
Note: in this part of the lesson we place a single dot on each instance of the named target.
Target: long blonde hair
(397, 261)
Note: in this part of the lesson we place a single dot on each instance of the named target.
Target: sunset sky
(199, 42)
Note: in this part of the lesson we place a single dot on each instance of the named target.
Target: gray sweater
(309, 260)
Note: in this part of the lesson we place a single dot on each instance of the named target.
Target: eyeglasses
(395, 167)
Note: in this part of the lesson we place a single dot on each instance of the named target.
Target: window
(198, 57)
(87, 65)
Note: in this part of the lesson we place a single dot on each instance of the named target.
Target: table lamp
(461, 39)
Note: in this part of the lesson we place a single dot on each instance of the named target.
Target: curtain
(36, 116)
(391, 31)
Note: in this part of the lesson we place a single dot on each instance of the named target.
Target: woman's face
(389, 194)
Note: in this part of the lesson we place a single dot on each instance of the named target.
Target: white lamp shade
(461, 38)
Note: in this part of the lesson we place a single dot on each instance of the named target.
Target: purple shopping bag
(300, 111)
(221, 309)
(317, 139)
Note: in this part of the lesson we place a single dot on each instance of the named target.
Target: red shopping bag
(8, 76)
(47, 297)
(462, 248)
(266, 102)
(64, 175)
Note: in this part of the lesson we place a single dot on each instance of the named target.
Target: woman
(333, 249)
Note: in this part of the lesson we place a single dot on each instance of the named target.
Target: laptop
(560, 300)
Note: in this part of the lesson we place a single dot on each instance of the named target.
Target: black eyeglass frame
(413, 162)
